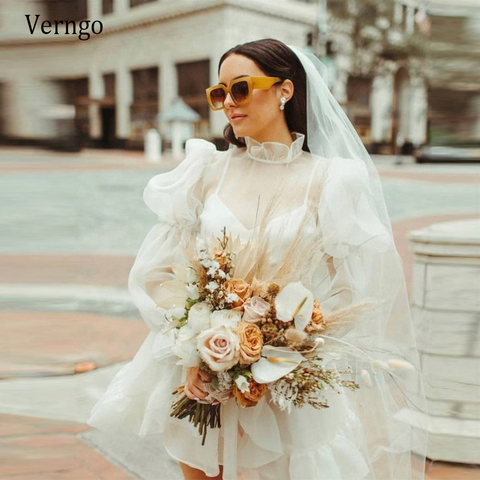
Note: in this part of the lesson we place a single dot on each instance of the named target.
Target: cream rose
(255, 308)
(226, 318)
(199, 317)
(251, 342)
(185, 347)
(219, 347)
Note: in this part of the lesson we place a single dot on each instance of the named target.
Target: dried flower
(211, 286)
(294, 335)
(259, 288)
(269, 331)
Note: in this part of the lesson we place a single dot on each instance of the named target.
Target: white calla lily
(180, 271)
(171, 302)
(177, 287)
(275, 363)
(295, 301)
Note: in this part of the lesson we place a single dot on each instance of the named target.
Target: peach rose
(239, 287)
(251, 342)
(252, 397)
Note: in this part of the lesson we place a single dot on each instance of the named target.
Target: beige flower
(259, 288)
(239, 287)
(251, 342)
(255, 309)
(252, 396)
(219, 347)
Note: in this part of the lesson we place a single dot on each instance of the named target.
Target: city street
(71, 227)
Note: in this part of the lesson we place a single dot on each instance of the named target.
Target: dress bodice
(282, 227)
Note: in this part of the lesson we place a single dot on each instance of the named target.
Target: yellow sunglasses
(240, 90)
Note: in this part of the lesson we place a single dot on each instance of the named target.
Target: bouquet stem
(202, 415)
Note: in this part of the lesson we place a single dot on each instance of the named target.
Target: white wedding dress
(211, 190)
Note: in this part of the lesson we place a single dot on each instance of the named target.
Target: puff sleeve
(357, 244)
(176, 198)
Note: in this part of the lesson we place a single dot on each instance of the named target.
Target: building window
(75, 92)
(107, 6)
(75, 10)
(145, 106)
(135, 3)
(3, 109)
(193, 80)
(358, 107)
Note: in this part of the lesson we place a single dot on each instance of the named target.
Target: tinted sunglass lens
(218, 97)
(240, 91)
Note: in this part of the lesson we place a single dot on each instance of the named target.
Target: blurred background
(84, 124)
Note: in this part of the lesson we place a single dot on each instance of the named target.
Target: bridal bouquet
(248, 335)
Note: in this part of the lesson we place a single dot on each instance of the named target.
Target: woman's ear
(286, 89)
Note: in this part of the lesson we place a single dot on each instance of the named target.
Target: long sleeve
(357, 246)
(175, 197)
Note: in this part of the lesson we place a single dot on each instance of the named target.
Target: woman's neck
(280, 134)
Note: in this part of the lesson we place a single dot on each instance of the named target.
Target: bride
(290, 140)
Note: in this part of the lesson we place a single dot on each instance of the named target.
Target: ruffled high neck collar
(275, 152)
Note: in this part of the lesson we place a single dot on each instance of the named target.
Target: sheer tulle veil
(392, 410)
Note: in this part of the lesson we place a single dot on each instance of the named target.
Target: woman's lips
(237, 118)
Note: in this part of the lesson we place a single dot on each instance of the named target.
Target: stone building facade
(454, 77)
(151, 51)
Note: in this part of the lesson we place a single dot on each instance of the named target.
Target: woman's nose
(229, 102)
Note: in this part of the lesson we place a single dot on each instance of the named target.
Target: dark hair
(275, 59)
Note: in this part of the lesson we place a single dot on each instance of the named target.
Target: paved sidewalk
(42, 449)
(77, 327)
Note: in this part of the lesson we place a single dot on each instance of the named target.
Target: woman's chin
(240, 132)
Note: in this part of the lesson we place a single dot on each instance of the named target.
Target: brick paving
(62, 343)
(111, 270)
(42, 449)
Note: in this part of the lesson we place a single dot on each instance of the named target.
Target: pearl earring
(282, 106)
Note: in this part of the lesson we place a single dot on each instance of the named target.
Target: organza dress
(211, 190)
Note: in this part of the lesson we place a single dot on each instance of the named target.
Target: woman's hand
(194, 384)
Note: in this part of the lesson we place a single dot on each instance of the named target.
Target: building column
(217, 119)
(123, 98)
(94, 9)
(397, 13)
(168, 83)
(96, 92)
(121, 6)
(418, 110)
(340, 82)
(410, 21)
(381, 103)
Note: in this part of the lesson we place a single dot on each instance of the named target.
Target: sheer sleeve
(353, 236)
(176, 198)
